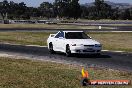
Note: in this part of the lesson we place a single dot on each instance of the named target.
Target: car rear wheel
(68, 51)
(51, 48)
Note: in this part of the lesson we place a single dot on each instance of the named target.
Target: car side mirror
(61, 38)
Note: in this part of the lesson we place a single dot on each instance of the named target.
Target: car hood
(82, 41)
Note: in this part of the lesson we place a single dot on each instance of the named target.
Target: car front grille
(88, 50)
(89, 45)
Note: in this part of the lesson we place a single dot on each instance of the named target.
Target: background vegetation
(63, 9)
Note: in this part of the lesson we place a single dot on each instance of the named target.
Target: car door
(55, 41)
(59, 39)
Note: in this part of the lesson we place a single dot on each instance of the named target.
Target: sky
(36, 3)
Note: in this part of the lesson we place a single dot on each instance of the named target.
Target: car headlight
(73, 44)
(77, 44)
(98, 45)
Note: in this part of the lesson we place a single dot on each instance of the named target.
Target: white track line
(113, 31)
(113, 51)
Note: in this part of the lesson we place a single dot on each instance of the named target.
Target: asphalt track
(107, 59)
(115, 29)
(55, 30)
(114, 60)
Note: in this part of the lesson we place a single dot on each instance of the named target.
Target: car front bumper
(85, 50)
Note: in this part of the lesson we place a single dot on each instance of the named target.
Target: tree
(34, 12)
(100, 10)
(85, 12)
(103, 10)
(131, 13)
(4, 9)
(21, 8)
(68, 8)
(62, 8)
(115, 14)
(75, 10)
(46, 9)
(126, 14)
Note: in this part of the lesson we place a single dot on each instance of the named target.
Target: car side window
(60, 34)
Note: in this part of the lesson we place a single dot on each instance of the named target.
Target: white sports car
(71, 42)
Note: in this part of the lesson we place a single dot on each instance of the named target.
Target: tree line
(63, 9)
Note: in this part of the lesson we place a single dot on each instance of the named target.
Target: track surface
(119, 61)
(116, 28)
(55, 30)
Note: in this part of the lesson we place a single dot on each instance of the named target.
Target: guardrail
(27, 22)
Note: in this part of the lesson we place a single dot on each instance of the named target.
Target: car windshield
(76, 35)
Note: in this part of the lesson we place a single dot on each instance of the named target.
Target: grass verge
(24, 38)
(114, 41)
(47, 26)
(110, 41)
(23, 73)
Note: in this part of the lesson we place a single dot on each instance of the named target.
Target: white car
(71, 42)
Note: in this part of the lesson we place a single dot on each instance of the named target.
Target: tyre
(68, 51)
(51, 48)
(85, 82)
(98, 54)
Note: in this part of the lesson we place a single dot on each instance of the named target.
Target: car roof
(72, 31)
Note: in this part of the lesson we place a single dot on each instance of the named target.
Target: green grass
(107, 20)
(22, 73)
(24, 38)
(46, 26)
(114, 41)
(52, 26)
(110, 41)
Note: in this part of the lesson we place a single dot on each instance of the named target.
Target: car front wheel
(51, 48)
(98, 54)
(68, 51)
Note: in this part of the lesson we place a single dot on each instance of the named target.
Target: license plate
(89, 49)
